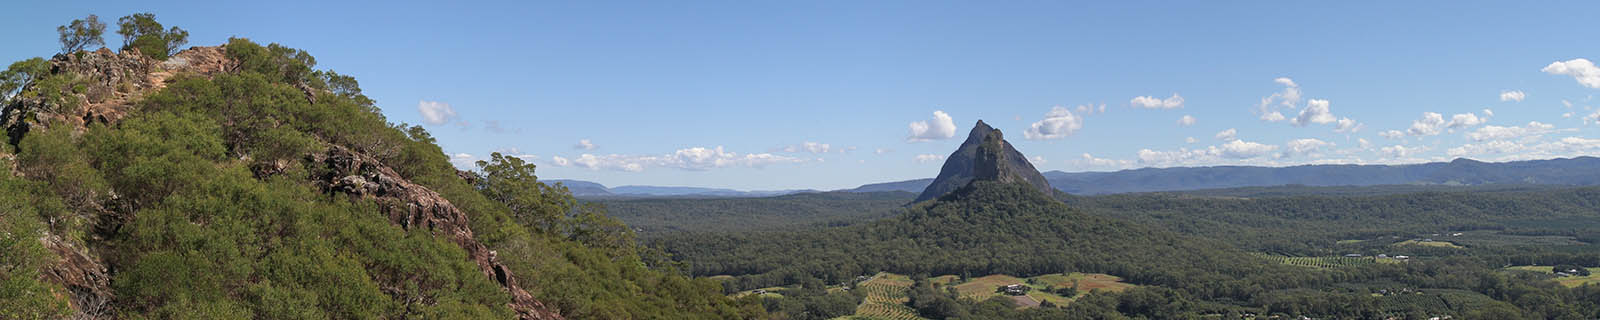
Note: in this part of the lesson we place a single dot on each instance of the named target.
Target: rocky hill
(238, 181)
(985, 155)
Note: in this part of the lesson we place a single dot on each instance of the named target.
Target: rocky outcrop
(412, 206)
(106, 86)
(85, 277)
(985, 155)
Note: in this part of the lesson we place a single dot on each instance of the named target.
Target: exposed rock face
(86, 279)
(413, 206)
(985, 155)
(110, 83)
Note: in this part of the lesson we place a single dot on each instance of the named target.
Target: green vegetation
(1583, 276)
(24, 206)
(1002, 229)
(204, 202)
(141, 31)
(82, 33)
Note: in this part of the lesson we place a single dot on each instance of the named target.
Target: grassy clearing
(770, 292)
(981, 288)
(1441, 244)
(944, 280)
(1593, 277)
(1350, 241)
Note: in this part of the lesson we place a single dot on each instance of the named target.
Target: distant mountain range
(1573, 171)
(586, 189)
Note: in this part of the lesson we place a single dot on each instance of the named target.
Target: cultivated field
(886, 298)
(1573, 281)
(1327, 262)
(1441, 244)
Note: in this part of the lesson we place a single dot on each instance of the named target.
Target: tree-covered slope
(239, 181)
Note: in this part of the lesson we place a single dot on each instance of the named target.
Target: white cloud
(1580, 69)
(812, 147)
(1433, 123)
(1286, 99)
(1392, 134)
(1306, 146)
(1400, 151)
(463, 160)
(1181, 156)
(939, 128)
(1058, 123)
(1190, 140)
(584, 144)
(1466, 120)
(1488, 113)
(1186, 120)
(1533, 128)
(1150, 102)
(881, 151)
(1591, 118)
(1091, 109)
(1364, 143)
(692, 159)
(1316, 111)
(1240, 149)
(435, 113)
(926, 158)
(1347, 125)
(1038, 160)
(1512, 95)
(1491, 147)
(1228, 135)
(1088, 160)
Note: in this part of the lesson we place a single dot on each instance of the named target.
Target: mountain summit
(984, 156)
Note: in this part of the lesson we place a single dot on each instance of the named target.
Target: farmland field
(981, 288)
(1441, 244)
(1573, 281)
(1327, 262)
(886, 298)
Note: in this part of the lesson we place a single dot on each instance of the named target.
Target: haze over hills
(1579, 171)
(586, 189)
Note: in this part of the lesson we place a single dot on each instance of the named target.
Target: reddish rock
(413, 206)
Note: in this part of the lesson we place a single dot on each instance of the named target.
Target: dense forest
(1190, 251)
(241, 182)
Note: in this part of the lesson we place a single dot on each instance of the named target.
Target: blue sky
(656, 88)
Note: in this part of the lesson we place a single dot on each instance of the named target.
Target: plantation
(885, 298)
(1328, 262)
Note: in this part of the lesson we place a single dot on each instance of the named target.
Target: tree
(81, 34)
(510, 181)
(19, 74)
(140, 30)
